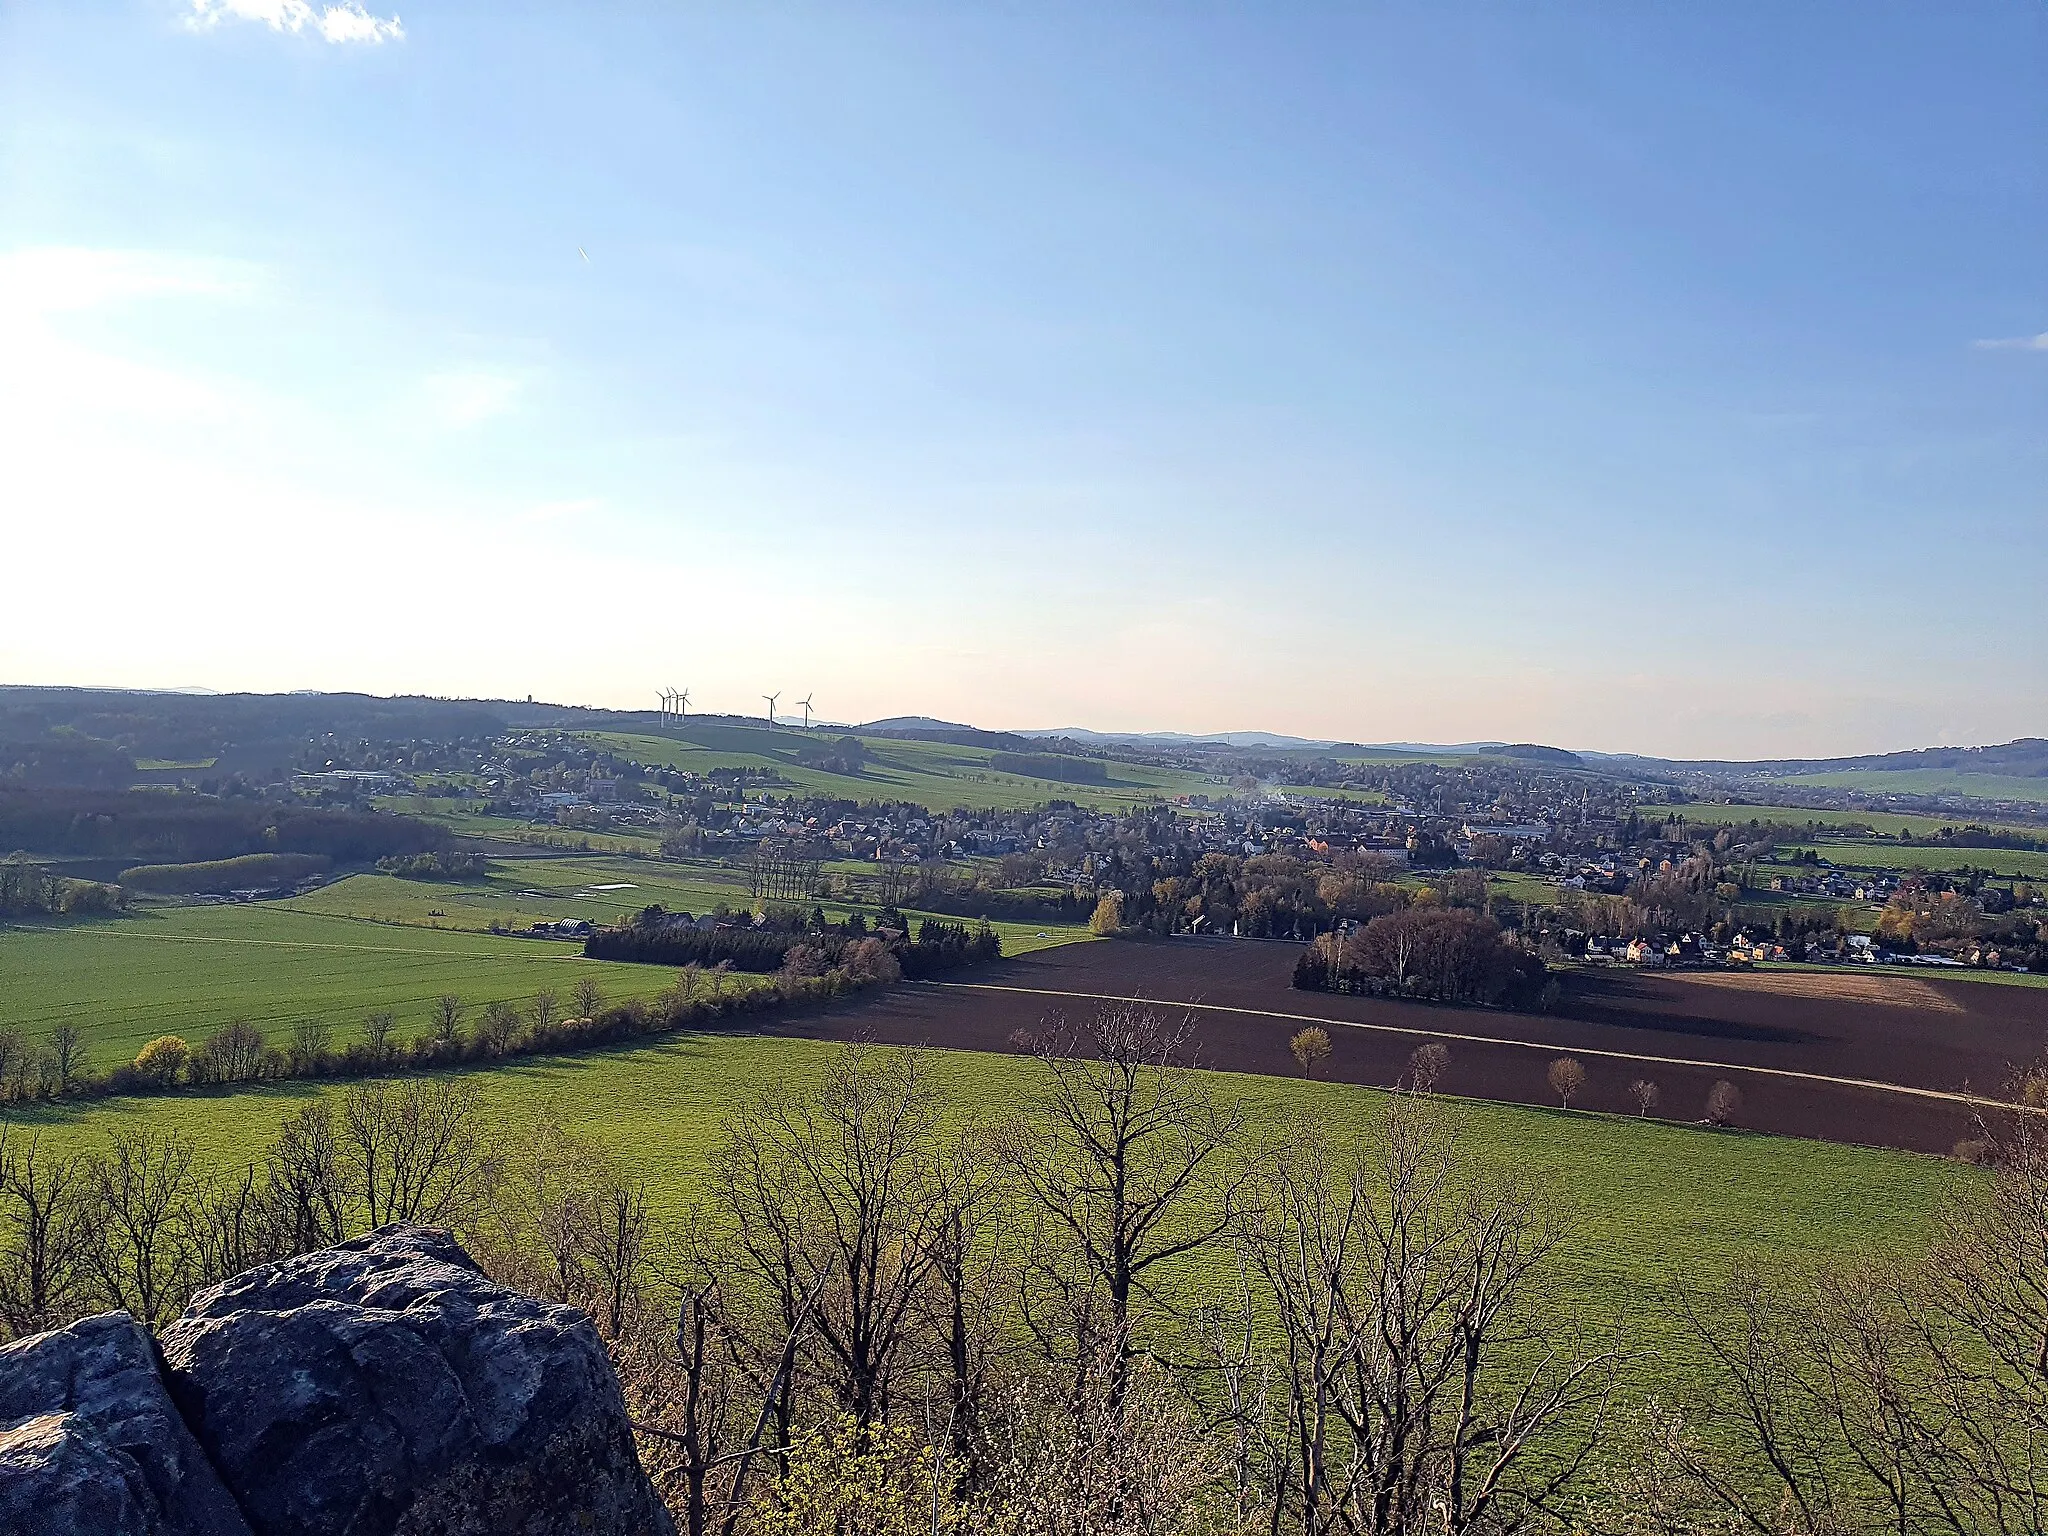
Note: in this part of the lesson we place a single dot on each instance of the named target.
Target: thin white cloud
(554, 511)
(345, 22)
(45, 280)
(464, 397)
(2014, 344)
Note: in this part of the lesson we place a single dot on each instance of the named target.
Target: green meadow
(1890, 823)
(363, 943)
(936, 775)
(187, 970)
(1931, 781)
(1852, 853)
(1651, 1202)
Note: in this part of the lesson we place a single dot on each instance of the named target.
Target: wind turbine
(771, 698)
(683, 703)
(805, 704)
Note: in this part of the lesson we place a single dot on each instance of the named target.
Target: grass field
(1361, 797)
(363, 943)
(1888, 822)
(1851, 853)
(520, 892)
(936, 775)
(1655, 1202)
(1930, 781)
(186, 970)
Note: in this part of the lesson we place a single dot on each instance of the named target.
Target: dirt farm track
(1872, 1059)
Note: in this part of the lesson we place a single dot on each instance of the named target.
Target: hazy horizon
(1634, 381)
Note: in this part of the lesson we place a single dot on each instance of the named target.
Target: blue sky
(1667, 379)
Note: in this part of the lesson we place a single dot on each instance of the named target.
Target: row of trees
(28, 889)
(1124, 1308)
(1446, 954)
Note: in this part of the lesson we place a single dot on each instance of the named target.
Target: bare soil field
(1834, 987)
(1899, 1067)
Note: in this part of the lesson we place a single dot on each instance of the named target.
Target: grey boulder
(385, 1385)
(90, 1441)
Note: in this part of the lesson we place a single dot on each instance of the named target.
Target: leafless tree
(306, 1182)
(1567, 1079)
(448, 1012)
(835, 1193)
(141, 1205)
(1724, 1102)
(1426, 1065)
(308, 1053)
(43, 1234)
(498, 1027)
(1118, 1453)
(14, 1061)
(545, 1007)
(414, 1151)
(1427, 1390)
(589, 998)
(964, 1320)
(1889, 1396)
(377, 1027)
(1127, 1161)
(64, 1055)
(1645, 1093)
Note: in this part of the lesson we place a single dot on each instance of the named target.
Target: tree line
(28, 889)
(785, 937)
(177, 827)
(1445, 954)
(1120, 1306)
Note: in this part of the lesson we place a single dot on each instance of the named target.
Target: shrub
(1109, 914)
(1310, 1047)
(162, 1062)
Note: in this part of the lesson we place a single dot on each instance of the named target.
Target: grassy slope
(186, 970)
(1889, 822)
(1852, 853)
(1930, 781)
(362, 943)
(936, 775)
(1655, 1201)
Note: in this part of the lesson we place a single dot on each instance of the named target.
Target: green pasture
(363, 943)
(1890, 823)
(1930, 781)
(187, 970)
(1519, 886)
(521, 892)
(1359, 797)
(1855, 853)
(1653, 1202)
(462, 818)
(936, 775)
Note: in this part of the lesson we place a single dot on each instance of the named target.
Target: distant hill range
(107, 736)
(1269, 741)
(2025, 758)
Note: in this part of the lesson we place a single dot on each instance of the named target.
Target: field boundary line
(1943, 1095)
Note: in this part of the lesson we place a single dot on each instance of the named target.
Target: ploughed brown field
(1814, 1054)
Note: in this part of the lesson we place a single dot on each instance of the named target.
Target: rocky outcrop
(382, 1386)
(90, 1441)
(385, 1385)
